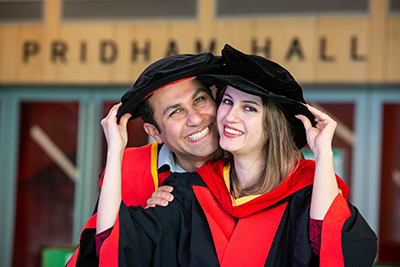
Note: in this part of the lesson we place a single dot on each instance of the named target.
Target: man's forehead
(185, 87)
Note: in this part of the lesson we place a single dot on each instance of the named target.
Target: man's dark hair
(147, 113)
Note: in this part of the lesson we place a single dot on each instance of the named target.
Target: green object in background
(56, 256)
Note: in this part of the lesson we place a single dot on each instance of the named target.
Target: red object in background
(389, 218)
(45, 194)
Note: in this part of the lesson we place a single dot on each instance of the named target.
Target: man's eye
(199, 99)
(176, 111)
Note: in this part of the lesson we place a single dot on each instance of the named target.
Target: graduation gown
(140, 178)
(204, 226)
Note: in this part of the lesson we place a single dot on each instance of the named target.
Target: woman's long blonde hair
(280, 153)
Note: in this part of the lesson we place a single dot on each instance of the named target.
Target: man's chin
(206, 152)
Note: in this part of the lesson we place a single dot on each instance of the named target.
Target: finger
(155, 201)
(306, 122)
(166, 188)
(115, 108)
(319, 115)
(164, 195)
(124, 119)
(112, 112)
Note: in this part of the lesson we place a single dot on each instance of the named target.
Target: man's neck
(191, 164)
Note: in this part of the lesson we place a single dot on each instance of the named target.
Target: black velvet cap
(259, 76)
(164, 72)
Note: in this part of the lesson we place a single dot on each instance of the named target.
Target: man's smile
(199, 135)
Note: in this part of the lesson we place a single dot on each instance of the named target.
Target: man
(178, 111)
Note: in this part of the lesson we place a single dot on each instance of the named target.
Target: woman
(255, 208)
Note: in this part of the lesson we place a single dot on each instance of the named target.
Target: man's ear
(153, 131)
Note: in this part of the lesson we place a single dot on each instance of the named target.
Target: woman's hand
(110, 194)
(319, 138)
(161, 197)
(116, 134)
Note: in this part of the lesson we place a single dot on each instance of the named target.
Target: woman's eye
(250, 109)
(227, 102)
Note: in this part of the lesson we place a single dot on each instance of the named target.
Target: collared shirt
(166, 157)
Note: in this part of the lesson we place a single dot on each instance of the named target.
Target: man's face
(186, 115)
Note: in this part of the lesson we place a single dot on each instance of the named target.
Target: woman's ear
(153, 132)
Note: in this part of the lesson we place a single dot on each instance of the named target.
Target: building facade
(63, 63)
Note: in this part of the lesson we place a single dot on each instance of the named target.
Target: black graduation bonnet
(259, 76)
(164, 72)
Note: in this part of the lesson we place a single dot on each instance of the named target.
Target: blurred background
(64, 63)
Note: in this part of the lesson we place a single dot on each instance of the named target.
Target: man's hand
(161, 197)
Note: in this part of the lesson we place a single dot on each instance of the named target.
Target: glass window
(15, 11)
(389, 219)
(45, 183)
(128, 9)
(270, 7)
(394, 6)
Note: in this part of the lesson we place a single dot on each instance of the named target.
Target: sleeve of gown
(127, 242)
(100, 237)
(346, 238)
(85, 253)
(315, 235)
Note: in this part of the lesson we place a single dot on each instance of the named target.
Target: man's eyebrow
(177, 105)
(199, 91)
(174, 106)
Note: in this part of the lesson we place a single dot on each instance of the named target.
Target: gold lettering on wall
(109, 50)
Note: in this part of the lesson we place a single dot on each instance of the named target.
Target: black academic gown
(204, 226)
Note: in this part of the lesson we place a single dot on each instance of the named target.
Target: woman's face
(240, 123)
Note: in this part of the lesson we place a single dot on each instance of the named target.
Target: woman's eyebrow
(244, 101)
(251, 102)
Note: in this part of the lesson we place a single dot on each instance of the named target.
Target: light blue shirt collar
(166, 157)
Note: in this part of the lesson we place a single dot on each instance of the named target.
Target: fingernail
(170, 197)
(164, 202)
(297, 116)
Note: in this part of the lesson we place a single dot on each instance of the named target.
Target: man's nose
(195, 117)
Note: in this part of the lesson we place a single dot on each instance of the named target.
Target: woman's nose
(233, 115)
